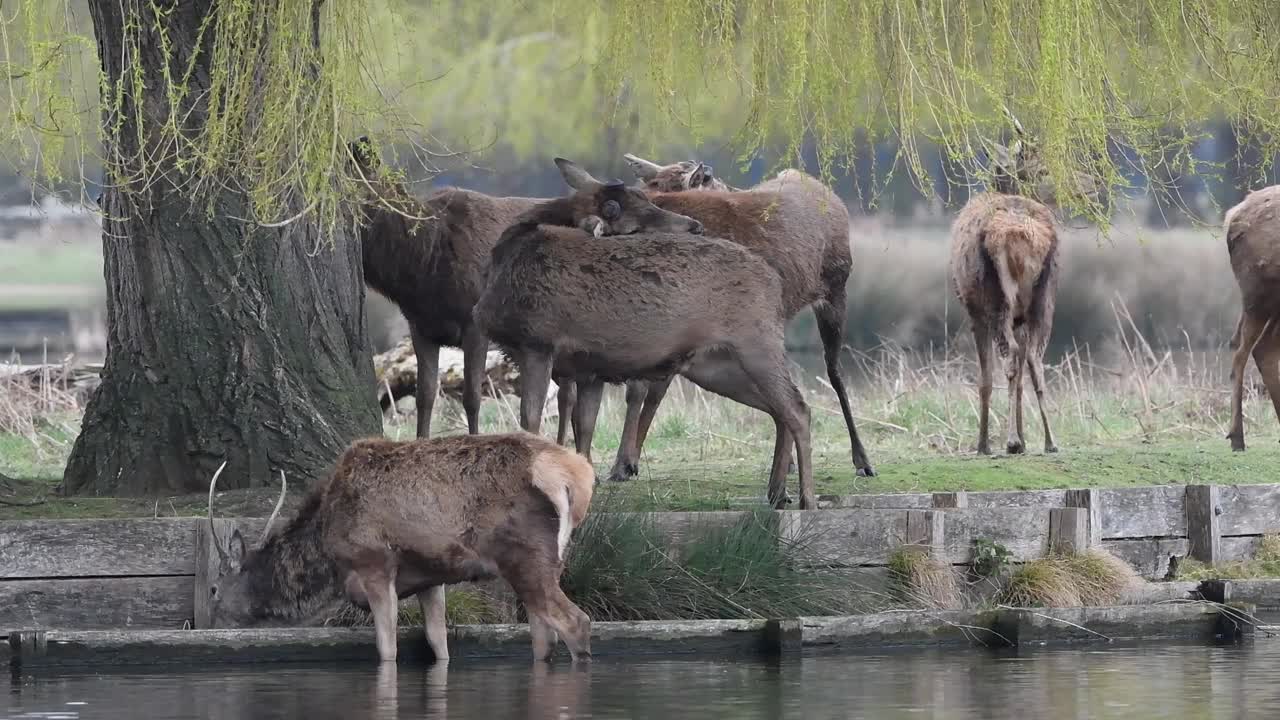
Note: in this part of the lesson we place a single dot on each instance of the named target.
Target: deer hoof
(1015, 447)
(867, 471)
(627, 471)
(1051, 449)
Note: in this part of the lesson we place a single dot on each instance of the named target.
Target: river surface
(1162, 681)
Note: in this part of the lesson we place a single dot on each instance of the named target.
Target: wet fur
(1252, 229)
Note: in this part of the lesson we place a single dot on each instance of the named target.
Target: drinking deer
(404, 518)
(1252, 228)
(1004, 270)
(647, 308)
(801, 229)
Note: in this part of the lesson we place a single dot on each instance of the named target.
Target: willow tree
(233, 276)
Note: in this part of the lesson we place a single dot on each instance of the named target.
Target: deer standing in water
(1253, 243)
(399, 519)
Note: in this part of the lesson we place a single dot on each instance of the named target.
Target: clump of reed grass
(917, 578)
(463, 606)
(1091, 578)
(1264, 564)
(622, 567)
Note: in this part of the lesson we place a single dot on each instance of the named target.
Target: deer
(400, 519)
(1252, 229)
(645, 309)
(1004, 270)
(428, 257)
(801, 229)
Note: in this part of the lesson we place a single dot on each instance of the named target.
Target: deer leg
(475, 354)
(982, 340)
(1013, 371)
(652, 399)
(765, 363)
(428, 354)
(566, 400)
(830, 315)
(432, 603)
(584, 415)
(544, 638)
(535, 376)
(380, 587)
(1035, 363)
(1267, 356)
(626, 464)
(1251, 328)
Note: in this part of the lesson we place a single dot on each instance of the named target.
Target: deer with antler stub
(399, 519)
(1004, 270)
(1253, 243)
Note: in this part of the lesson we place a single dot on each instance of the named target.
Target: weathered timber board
(1024, 531)
(1017, 498)
(93, 548)
(846, 537)
(692, 637)
(1249, 509)
(1156, 511)
(96, 604)
(1149, 557)
(910, 628)
(1231, 549)
(891, 501)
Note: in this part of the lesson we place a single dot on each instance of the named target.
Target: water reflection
(1114, 682)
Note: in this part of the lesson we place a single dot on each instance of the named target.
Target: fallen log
(397, 373)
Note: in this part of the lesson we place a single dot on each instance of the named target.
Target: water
(1134, 683)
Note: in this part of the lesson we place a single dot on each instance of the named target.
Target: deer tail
(995, 245)
(568, 480)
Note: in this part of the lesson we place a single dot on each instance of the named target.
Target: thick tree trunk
(226, 341)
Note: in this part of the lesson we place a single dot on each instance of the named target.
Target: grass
(45, 274)
(1092, 578)
(917, 578)
(1265, 564)
(1136, 417)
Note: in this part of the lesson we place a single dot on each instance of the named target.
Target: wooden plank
(925, 528)
(1233, 549)
(96, 604)
(1091, 500)
(950, 500)
(1156, 511)
(889, 501)
(1016, 499)
(92, 548)
(846, 538)
(1149, 557)
(1024, 531)
(1068, 530)
(1203, 536)
(1249, 509)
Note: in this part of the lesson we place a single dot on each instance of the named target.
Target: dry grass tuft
(918, 579)
(1265, 564)
(1092, 578)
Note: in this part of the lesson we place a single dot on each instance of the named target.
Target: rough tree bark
(225, 340)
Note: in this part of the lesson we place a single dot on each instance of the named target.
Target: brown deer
(405, 518)
(647, 308)
(1004, 270)
(801, 229)
(429, 258)
(1253, 242)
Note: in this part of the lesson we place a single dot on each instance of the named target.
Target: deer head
(613, 208)
(1020, 169)
(231, 597)
(676, 177)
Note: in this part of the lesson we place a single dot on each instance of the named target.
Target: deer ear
(575, 176)
(643, 169)
(236, 547)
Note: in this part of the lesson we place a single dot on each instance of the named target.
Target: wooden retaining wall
(113, 574)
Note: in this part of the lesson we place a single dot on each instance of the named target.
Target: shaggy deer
(1004, 270)
(801, 229)
(1253, 242)
(647, 309)
(429, 258)
(401, 519)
